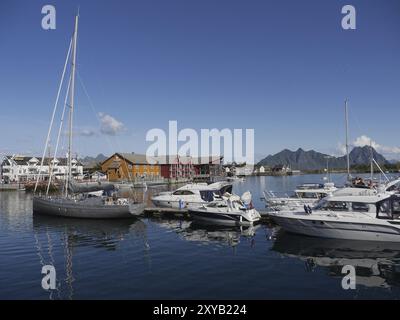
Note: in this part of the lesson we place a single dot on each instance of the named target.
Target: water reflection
(206, 233)
(377, 264)
(104, 234)
(58, 238)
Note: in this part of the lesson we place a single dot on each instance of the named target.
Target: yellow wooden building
(129, 167)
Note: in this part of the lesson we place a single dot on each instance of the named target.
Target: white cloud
(87, 133)
(363, 140)
(109, 125)
(366, 141)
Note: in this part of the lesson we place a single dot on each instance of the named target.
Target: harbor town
(282, 182)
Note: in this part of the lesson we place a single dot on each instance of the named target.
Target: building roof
(135, 158)
(24, 160)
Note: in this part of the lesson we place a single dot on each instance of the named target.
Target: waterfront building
(130, 167)
(171, 168)
(19, 168)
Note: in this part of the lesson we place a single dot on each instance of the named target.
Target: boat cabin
(387, 207)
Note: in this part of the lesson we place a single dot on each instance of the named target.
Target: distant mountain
(91, 161)
(313, 160)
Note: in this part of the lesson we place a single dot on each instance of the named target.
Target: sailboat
(76, 202)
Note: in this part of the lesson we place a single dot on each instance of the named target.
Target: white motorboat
(391, 187)
(192, 195)
(361, 217)
(232, 210)
(306, 194)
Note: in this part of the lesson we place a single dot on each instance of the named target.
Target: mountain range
(313, 160)
(92, 161)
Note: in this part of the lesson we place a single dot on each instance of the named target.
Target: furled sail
(83, 187)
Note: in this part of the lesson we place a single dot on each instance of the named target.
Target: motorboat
(232, 211)
(361, 217)
(305, 194)
(391, 187)
(192, 195)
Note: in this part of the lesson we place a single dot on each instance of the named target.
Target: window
(182, 192)
(383, 209)
(308, 195)
(207, 195)
(332, 205)
(338, 206)
(360, 207)
(396, 206)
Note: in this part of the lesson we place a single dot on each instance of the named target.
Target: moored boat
(306, 194)
(368, 217)
(231, 211)
(192, 195)
(87, 208)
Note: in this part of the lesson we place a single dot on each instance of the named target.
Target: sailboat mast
(372, 158)
(347, 138)
(71, 112)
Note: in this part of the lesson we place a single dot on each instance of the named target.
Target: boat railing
(269, 194)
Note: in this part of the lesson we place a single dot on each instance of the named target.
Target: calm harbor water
(176, 259)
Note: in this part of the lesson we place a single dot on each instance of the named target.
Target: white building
(245, 170)
(21, 168)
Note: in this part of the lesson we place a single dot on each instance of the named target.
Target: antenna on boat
(347, 137)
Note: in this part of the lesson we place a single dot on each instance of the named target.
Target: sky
(282, 68)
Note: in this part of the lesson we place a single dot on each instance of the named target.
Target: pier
(11, 186)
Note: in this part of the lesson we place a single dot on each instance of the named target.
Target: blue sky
(283, 68)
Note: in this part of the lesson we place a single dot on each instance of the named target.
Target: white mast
(347, 138)
(71, 112)
(372, 158)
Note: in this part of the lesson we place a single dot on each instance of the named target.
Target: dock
(11, 187)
